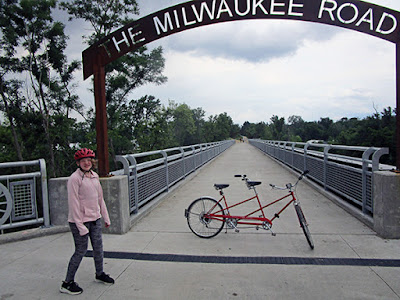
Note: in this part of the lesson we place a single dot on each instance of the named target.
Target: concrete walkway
(33, 269)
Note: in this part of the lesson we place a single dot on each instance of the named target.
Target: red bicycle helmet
(83, 153)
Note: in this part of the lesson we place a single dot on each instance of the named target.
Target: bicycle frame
(249, 220)
(204, 222)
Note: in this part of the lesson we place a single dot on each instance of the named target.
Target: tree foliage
(35, 77)
(377, 130)
(127, 73)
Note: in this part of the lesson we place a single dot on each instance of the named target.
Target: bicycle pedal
(257, 228)
(237, 230)
(273, 234)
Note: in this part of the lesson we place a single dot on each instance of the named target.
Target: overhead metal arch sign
(356, 15)
(351, 14)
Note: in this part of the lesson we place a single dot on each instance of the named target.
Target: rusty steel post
(398, 107)
(101, 119)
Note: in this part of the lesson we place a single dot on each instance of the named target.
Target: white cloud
(254, 40)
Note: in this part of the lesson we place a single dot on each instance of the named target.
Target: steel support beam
(101, 119)
(398, 107)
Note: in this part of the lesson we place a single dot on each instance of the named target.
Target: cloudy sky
(255, 69)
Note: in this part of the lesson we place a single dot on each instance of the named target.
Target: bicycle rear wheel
(199, 223)
(304, 225)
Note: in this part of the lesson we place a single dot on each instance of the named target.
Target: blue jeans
(81, 245)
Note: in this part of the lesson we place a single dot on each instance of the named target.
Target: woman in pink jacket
(85, 208)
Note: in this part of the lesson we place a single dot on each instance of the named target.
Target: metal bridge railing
(152, 173)
(349, 176)
(22, 195)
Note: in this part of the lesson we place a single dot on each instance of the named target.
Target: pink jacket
(85, 200)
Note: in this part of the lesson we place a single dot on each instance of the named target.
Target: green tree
(295, 128)
(33, 46)
(326, 125)
(10, 104)
(245, 130)
(199, 122)
(183, 125)
(6, 146)
(223, 126)
(210, 129)
(277, 127)
(130, 71)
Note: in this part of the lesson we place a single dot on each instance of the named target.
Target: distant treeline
(142, 125)
(146, 125)
(377, 130)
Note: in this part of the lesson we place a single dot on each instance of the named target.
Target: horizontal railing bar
(19, 163)
(20, 176)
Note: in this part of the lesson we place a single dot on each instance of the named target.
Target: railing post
(125, 160)
(133, 161)
(326, 160)
(365, 162)
(164, 154)
(305, 156)
(124, 163)
(45, 194)
(194, 156)
(283, 150)
(275, 148)
(183, 161)
(377, 156)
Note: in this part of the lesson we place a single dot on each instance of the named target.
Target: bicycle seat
(220, 186)
(253, 183)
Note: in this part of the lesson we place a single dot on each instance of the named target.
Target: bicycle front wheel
(304, 225)
(199, 221)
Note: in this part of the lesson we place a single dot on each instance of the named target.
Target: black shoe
(104, 278)
(71, 288)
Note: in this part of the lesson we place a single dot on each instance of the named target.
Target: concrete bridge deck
(349, 260)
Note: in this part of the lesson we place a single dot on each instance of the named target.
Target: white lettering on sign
(200, 11)
(330, 10)
(389, 31)
(163, 27)
(124, 40)
(178, 25)
(293, 5)
(185, 20)
(127, 40)
(347, 13)
(224, 8)
(368, 17)
(333, 9)
(355, 15)
(133, 36)
(274, 6)
(203, 8)
(239, 13)
(258, 4)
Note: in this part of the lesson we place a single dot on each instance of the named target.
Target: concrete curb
(32, 233)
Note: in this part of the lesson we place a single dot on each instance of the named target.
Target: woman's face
(85, 163)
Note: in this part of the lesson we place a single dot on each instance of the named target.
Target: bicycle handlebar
(244, 177)
(238, 175)
(289, 186)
